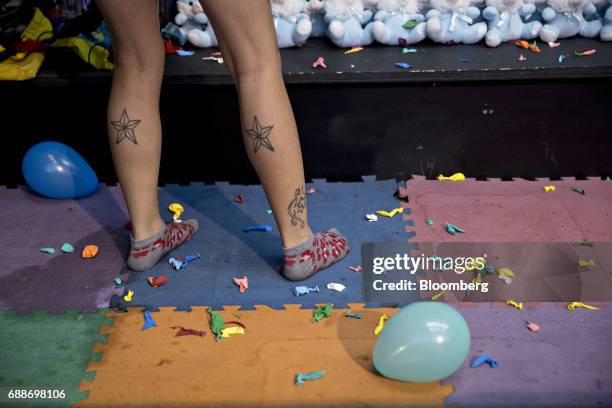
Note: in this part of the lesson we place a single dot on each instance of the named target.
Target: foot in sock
(146, 252)
(319, 251)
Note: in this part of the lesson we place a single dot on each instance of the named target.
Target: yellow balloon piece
(506, 272)
(128, 297)
(177, 209)
(380, 325)
(550, 188)
(586, 262)
(517, 305)
(574, 305)
(391, 213)
(454, 177)
(437, 295)
(228, 331)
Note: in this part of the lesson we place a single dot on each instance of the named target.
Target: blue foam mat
(227, 252)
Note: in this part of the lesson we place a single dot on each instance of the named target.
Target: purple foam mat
(568, 363)
(32, 280)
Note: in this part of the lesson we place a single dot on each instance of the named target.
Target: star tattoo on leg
(125, 128)
(260, 135)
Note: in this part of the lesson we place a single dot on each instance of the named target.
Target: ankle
(145, 229)
(295, 238)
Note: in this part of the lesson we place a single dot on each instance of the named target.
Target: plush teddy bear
(398, 22)
(565, 18)
(452, 22)
(316, 10)
(293, 26)
(506, 22)
(606, 30)
(193, 25)
(345, 21)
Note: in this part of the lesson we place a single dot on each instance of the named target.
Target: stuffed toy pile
(355, 23)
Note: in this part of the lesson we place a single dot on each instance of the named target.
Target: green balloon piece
(423, 342)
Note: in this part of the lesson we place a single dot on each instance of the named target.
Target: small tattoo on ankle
(298, 206)
(260, 135)
(125, 128)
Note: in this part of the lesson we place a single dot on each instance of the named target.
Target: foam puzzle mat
(149, 368)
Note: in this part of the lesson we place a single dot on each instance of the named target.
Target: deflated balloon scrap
(381, 324)
(149, 322)
(578, 190)
(322, 311)
(268, 211)
(184, 53)
(118, 281)
(534, 47)
(304, 290)
(242, 283)
(453, 229)
(515, 304)
(47, 250)
(338, 287)
(390, 214)
(356, 268)
(453, 177)
(182, 261)
(521, 58)
(505, 272)
(176, 210)
(482, 359)
(239, 199)
(550, 188)
(217, 59)
(89, 251)
(533, 327)
(429, 221)
(187, 332)
(230, 331)
(585, 52)
(258, 228)
(128, 297)
(585, 262)
(581, 305)
(67, 248)
(440, 294)
(157, 282)
(353, 315)
(353, 50)
(553, 44)
(561, 58)
(300, 378)
(311, 190)
(507, 280)
(408, 50)
(402, 65)
(371, 217)
(590, 244)
(319, 63)
(521, 43)
(410, 24)
(216, 323)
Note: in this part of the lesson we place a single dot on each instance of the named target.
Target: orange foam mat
(153, 368)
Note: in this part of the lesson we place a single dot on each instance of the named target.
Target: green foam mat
(42, 351)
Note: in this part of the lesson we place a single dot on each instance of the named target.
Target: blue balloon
(55, 170)
(423, 342)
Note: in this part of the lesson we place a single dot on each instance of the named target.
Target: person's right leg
(134, 126)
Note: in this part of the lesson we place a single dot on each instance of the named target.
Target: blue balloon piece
(55, 170)
(423, 342)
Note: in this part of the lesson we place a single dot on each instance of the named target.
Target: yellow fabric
(25, 66)
(97, 56)
(39, 25)
(12, 69)
(2, 49)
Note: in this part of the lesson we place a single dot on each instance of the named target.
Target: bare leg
(248, 42)
(134, 127)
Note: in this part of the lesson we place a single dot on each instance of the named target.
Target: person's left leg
(248, 42)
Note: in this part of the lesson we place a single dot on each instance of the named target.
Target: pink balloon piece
(242, 283)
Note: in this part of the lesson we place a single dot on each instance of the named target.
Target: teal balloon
(423, 342)
(55, 170)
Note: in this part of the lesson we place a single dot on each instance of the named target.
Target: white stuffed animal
(566, 18)
(506, 21)
(293, 26)
(348, 23)
(194, 24)
(399, 22)
(453, 21)
(606, 30)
